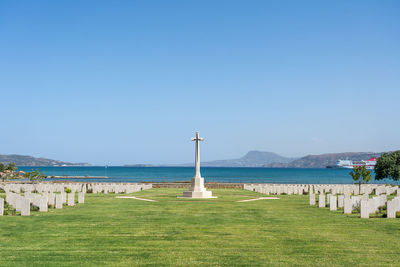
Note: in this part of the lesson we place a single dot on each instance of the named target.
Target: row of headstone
(43, 187)
(119, 188)
(344, 189)
(74, 187)
(23, 203)
(277, 189)
(366, 204)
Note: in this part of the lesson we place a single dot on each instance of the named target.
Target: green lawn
(181, 232)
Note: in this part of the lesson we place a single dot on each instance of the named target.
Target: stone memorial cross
(197, 189)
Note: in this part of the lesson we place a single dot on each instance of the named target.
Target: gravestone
(64, 197)
(340, 201)
(365, 209)
(300, 191)
(43, 206)
(355, 201)
(25, 207)
(333, 203)
(81, 197)
(321, 201)
(328, 198)
(391, 209)
(71, 199)
(18, 203)
(51, 199)
(59, 201)
(374, 204)
(348, 205)
(312, 199)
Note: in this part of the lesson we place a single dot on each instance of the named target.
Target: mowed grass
(181, 232)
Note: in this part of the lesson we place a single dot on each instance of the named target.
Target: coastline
(77, 177)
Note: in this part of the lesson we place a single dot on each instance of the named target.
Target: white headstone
(364, 209)
(71, 199)
(348, 206)
(43, 206)
(312, 199)
(340, 201)
(81, 197)
(25, 207)
(51, 199)
(391, 209)
(59, 201)
(64, 197)
(328, 198)
(321, 201)
(18, 203)
(333, 203)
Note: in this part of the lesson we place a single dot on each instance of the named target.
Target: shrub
(35, 176)
(9, 210)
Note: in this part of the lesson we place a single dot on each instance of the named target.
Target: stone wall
(207, 185)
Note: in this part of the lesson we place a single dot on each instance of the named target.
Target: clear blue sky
(115, 82)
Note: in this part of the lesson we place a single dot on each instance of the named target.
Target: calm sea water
(211, 174)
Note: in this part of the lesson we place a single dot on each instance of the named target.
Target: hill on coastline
(323, 160)
(251, 159)
(273, 160)
(21, 160)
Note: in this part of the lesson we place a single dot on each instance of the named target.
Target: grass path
(214, 232)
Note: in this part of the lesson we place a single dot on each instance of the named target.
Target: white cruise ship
(349, 164)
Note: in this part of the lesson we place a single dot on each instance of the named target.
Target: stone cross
(197, 155)
(197, 189)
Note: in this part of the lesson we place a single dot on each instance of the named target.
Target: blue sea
(211, 174)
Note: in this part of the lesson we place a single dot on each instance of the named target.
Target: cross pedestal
(197, 189)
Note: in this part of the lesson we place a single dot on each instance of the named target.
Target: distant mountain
(139, 165)
(21, 160)
(321, 161)
(251, 159)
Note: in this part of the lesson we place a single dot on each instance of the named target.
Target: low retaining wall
(207, 185)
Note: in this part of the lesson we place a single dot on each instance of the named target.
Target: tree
(388, 166)
(8, 172)
(5, 176)
(35, 176)
(360, 173)
(11, 167)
